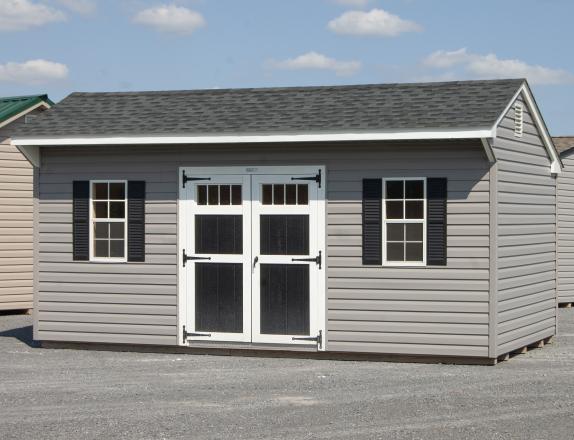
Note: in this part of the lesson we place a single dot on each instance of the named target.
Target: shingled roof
(563, 143)
(382, 107)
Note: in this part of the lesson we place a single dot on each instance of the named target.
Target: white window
(404, 222)
(108, 225)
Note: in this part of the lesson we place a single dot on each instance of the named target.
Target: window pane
(394, 189)
(395, 232)
(201, 195)
(101, 230)
(278, 194)
(213, 194)
(415, 232)
(101, 248)
(302, 194)
(117, 191)
(414, 210)
(225, 195)
(117, 248)
(414, 252)
(267, 194)
(117, 210)
(117, 230)
(414, 189)
(101, 209)
(395, 252)
(291, 194)
(236, 195)
(100, 191)
(394, 210)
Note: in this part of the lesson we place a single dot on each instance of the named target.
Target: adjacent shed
(565, 190)
(396, 220)
(16, 233)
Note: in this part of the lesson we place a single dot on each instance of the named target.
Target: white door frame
(186, 212)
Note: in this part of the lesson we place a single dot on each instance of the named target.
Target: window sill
(108, 260)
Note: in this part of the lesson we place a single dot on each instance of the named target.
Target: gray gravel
(68, 394)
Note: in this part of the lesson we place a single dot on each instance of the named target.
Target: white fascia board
(255, 138)
(488, 150)
(556, 164)
(24, 113)
(32, 153)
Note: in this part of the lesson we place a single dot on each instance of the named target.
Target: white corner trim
(488, 150)
(556, 164)
(255, 138)
(24, 113)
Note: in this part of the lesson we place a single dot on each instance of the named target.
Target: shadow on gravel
(23, 334)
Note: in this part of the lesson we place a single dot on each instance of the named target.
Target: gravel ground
(68, 394)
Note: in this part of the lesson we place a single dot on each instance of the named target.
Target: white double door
(252, 254)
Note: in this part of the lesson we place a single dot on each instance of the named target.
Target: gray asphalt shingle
(448, 105)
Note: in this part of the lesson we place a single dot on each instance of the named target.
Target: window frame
(93, 220)
(386, 221)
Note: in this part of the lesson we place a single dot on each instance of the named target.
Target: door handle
(255, 261)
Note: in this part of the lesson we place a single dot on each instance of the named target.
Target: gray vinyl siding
(526, 223)
(565, 194)
(16, 231)
(423, 311)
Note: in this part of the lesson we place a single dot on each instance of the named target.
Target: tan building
(16, 203)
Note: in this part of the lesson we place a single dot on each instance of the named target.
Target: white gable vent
(518, 120)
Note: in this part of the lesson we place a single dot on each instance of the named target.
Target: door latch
(318, 339)
(186, 334)
(317, 260)
(186, 258)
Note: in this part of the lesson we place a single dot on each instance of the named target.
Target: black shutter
(436, 221)
(81, 221)
(372, 221)
(136, 221)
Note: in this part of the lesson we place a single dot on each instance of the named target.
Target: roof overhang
(44, 104)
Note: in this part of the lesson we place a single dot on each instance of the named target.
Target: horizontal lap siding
(565, 196)
(440, 311)
(526, 237)
(16, 230)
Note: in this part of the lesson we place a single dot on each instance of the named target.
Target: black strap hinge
(187, 258)
(316, 178)
(185, 178)
(317, 260)
(186, 334)
(318, 339)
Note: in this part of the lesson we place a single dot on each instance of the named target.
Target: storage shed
(16, 235)
(411, 221)
(565, 200)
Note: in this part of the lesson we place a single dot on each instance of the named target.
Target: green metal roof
(15, 105)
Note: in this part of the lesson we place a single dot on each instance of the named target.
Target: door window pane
(284, 290)
(291, 194)
(225, 195)
(302, 194)
(213, 194)
(284, 234)
(236, 194)
(267, 194)
(202, 194)
(278, 194)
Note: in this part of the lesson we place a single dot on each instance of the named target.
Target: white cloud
(376, 22)
(83, 7)
(353, 3)
(171, 18)
(19, 15)
(318, 61)
(490, 66)
(33, 72)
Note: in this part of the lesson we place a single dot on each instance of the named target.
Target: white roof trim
(256, 138)
(24, 113)
(556, 164)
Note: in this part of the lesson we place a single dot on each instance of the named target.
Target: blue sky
(60, 46)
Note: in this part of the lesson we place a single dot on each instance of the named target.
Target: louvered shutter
(372, 221)
(81, 221)
(136, 220)
(436, 221)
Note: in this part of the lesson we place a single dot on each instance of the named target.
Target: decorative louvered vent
(518, 120)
